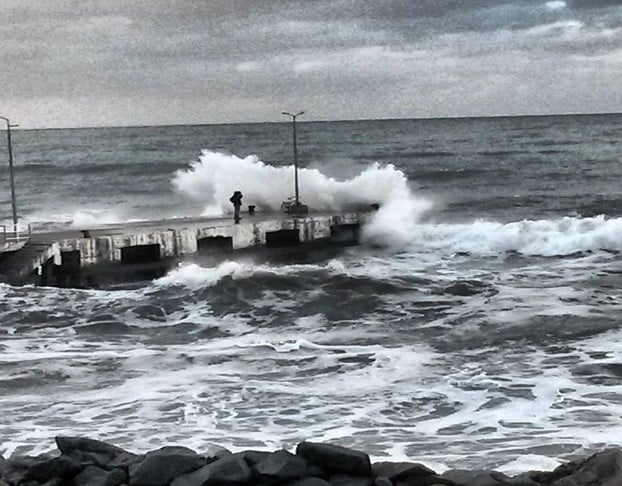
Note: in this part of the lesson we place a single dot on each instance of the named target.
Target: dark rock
(88, 473)
(335, 459)
(125, 460)
(2, 483)
(281, 466)
(217, 452)
(254, 457)
(382, 481)
(426, 481)
(461, 477)
(532, 478)
(602, 469)
(95, 476)
(397, 471)
(104, 460)
(57, 467)
(53, 482)
(537, 477)
(230, 470)
(16, 468)
(160, 467)
(347, 480)
(3, 465)
(85, 458)
(69, 444)
(309, 482)
(314, 471)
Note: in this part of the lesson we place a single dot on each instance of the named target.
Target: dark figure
(236, 200)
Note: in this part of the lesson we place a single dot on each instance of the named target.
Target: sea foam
(215, 176)
(555, 237)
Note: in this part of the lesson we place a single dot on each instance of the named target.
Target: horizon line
(344, 120)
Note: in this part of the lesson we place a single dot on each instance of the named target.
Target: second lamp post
(298, 207)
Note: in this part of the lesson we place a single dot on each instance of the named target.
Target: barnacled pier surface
(88, 462)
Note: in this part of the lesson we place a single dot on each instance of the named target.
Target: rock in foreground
(88, 462)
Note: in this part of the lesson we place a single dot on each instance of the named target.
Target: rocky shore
(88, 462)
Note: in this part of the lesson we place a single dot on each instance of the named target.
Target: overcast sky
(129, 62)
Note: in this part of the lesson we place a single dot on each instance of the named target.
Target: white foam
(542, 237)
(85, 217)
(529, 462)
(215, 176)
(194, 276)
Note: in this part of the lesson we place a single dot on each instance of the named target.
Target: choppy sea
(477, 325)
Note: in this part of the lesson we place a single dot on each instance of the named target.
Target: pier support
(282, 238)
(215, 244)
(140, 254)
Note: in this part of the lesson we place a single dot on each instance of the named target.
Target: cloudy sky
(138, 62)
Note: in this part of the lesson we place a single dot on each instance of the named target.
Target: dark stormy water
(477, 325)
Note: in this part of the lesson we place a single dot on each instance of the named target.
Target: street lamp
(11, 176)
(298, 207)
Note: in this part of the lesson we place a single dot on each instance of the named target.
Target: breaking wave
(213, 178)
(564, 236)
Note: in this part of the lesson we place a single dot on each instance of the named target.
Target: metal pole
(295, 162)
(297, 192)
(11, 175)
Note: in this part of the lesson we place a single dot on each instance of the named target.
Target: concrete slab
(68, 252)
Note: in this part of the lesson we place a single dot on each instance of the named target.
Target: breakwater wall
(88, 462)
(147, 249)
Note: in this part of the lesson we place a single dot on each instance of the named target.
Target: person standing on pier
(236, 200)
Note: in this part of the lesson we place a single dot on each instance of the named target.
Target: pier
(147, 249)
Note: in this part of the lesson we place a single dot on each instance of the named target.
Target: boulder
(124, 460)
(281, 466)
(62, 467)
(347, 480)
(104, 460)
(398, 471)
(425, 481)
(216, 452)
(230, 470)
(603, 469)
(95, 476)
(311, 481)
(161, 466)
(51, 482)
(382, 481)
(254, 457)
(15, 469)
(69, 444)
(335, 459)
(534, 478)
(461, 477)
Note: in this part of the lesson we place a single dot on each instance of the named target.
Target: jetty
(147, 249)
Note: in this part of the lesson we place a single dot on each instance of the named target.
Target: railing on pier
(14, 240)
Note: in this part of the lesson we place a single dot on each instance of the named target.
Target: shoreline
(88, 462)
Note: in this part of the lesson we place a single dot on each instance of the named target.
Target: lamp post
(294, 116)
(11, 176)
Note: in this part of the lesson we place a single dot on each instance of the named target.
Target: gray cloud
(115, 62)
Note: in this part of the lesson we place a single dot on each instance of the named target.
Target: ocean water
(477, 325)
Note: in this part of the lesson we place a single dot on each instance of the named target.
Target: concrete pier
(84, 257)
